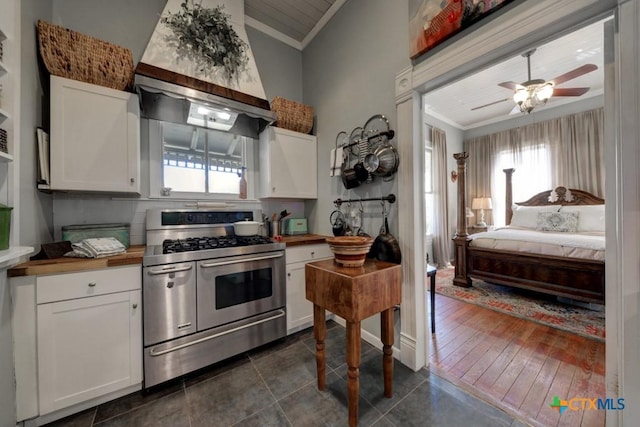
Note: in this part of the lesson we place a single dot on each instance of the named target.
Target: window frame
(156, 160)
(429, 213)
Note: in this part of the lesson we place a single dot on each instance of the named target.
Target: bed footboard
(579, 279)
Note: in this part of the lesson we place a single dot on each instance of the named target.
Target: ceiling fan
(536, 92)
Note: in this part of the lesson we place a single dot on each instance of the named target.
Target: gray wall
(349, 75)
(279, 66)
(123, 22)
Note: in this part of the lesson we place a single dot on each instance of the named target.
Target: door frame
(526, 25)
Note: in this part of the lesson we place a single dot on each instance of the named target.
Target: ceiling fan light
(544, 92)
(520, 95)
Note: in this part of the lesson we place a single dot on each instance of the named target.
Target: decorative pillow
(565, 222)
(527, 216)
(592, 217)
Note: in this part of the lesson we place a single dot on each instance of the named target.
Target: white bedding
(573, 245)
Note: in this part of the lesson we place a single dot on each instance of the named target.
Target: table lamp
(481, 203)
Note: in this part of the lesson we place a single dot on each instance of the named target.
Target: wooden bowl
(350, 251)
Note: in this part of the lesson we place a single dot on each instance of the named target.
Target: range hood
(184, 104)
(174, 90)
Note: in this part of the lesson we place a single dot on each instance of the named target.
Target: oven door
(235, 288)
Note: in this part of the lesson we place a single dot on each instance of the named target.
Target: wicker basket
(67, 53)
(292, 115)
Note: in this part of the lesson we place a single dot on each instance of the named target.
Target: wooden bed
(576, 278)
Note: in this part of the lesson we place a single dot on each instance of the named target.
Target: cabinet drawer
(308, 253)
(58, 287)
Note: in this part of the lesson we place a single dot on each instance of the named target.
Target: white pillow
(591, 217)
(527, 216)
(562, 222)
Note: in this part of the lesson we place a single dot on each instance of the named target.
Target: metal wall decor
(367, 153)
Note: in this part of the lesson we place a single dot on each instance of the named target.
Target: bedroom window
(429, 196)
(533, 166)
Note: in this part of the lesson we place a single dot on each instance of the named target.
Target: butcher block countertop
(67, 265)
(133, 256)
(304, 239)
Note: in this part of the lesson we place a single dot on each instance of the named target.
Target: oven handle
(167, 270)
(236, 261)
(154, 353)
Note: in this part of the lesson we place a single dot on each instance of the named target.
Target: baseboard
(409, 351)
(370, 338)
(53, 416)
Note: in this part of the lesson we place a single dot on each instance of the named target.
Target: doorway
(526, 25)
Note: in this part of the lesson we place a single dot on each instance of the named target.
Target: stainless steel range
(207, 294)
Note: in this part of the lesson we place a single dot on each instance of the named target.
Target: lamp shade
(481, 203)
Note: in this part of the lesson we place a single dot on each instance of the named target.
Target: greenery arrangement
(206, 37)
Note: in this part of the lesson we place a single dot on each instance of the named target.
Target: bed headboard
(558, 196)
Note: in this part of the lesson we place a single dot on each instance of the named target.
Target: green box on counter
(77, 233)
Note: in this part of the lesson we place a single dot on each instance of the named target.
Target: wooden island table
(354, 293)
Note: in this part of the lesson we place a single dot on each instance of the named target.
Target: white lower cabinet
(299, 309)
(89, 342)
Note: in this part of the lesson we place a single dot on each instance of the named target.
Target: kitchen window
(195, 162)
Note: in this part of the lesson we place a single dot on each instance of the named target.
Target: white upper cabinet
(288, 164)
(95, 134)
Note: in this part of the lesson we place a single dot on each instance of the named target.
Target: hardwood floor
(517, 365)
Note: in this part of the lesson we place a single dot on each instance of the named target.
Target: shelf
(5, 158)
(12, 255)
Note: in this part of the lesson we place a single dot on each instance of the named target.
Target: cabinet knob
(273, 189)
(133, 180)
(313, 254)
(92, 284)
(135, 305)
(288, 274)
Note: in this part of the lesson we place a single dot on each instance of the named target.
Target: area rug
(529, 305)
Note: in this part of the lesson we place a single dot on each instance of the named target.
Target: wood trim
(580, 279)
(461, 159)
(508, 195)
(193, 83)
(563, 196)
(460, 240)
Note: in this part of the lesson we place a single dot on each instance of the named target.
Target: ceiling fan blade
(509, 85)
(576, 72)
(570, 91)
(491, 103)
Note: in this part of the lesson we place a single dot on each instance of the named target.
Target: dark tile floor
(275, 385)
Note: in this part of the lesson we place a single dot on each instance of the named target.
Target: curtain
(441, 238)
(566, 151)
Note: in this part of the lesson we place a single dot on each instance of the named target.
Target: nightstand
(473, 229)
